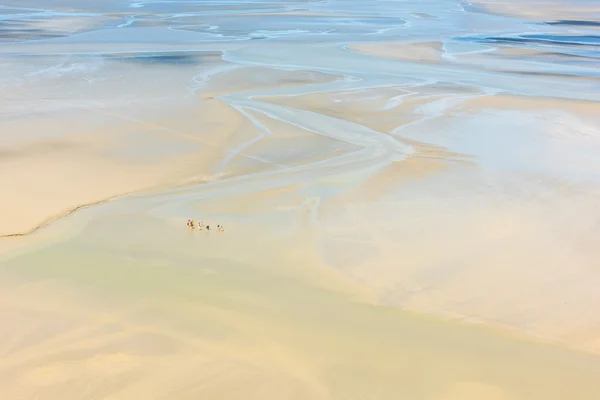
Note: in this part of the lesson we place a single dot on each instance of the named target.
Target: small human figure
(220, 228)
(207, 228)
(192, 224)
(200, 225)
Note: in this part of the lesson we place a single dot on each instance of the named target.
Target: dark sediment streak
(573, 22)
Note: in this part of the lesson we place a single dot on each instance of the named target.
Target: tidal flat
(408, 192)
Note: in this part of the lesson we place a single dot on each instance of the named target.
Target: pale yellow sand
(424, 15)
(48, 178)
(310, 293)
(540, 10)
(582, 109)
(391, 240)
(424, 52)
(251, 78)
(110, 161)
(190, 319)
(382, 109)
(48, 171)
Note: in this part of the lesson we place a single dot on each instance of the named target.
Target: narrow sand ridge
(427, 52)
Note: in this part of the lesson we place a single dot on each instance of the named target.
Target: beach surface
(409, 193)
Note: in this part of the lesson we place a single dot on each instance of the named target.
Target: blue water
(241, 28)
(84, 40)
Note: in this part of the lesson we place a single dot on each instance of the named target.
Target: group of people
(200, 225)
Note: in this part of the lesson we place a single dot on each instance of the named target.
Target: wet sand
(151, 310)
(427, 52)
(404, 218)
(545, 10)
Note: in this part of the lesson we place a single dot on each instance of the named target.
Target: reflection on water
(550, 39)
(574, 23)
(174, 58)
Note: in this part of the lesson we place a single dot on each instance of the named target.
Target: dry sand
(402, 220)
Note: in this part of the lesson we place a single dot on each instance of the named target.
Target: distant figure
(220, 228)
(200, 225)
(188, 223)
(192, 224)
(207, 228)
